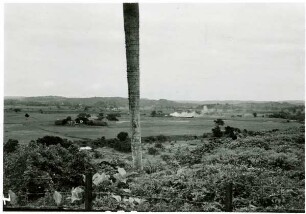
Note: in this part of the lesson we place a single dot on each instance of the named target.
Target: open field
(16, 126)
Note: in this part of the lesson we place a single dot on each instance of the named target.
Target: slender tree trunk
(131, 28)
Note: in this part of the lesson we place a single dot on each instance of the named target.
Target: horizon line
(177, 100)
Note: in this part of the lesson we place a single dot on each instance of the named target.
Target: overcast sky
(187, 51)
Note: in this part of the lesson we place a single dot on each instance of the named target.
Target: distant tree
(10, 146)
(111, 117)
(83, 115)
(100, 116)
(219, 122)
(255, 114)
(123, 136)
(41, 111)
(82, 118)
(27, 115)
(17, 110)
(153, 113)
(86, 108)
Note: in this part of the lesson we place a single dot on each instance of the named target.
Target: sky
(196, 51)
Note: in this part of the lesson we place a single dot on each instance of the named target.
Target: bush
(205, 135)
(54, 140)
(10, 146)
(159, 145)
(97, 154)
(121, 146)
(123, 136)
(161, 138)
(100, 142)
(152, 151)
(165, 157)
(61, 167)
(217, 132)
(231, 132)
(149, 139)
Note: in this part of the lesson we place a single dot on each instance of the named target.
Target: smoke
(191, 114)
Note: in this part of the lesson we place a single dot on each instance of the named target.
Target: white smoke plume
(190, 114)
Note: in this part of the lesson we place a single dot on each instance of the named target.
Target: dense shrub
(217, 132)
(97, 154)
(159, 145)
(152, 151)
(123, 136)
(121, 146)
(161, 138)
(60, 167)
(150, 139)
(54, 140)
(100, 142)
(10, 146)
(231, 132)
(165, 157)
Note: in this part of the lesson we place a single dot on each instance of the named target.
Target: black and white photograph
(153, 107)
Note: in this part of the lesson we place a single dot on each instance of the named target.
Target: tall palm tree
(131, 29)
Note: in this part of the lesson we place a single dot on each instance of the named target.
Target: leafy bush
(10, 146)
(161, 138)
(100, 142)
(121, 146)
(231, 132)
(165, 157)
(97, 154)
(123, 136)
(159, 145)
(217, 132)
(54, 140)
(60, 166)
(205, 135)
(152, 151)
(150, 139)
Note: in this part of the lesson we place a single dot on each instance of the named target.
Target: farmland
(16, 126)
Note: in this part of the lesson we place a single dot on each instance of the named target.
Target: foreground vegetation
(266, 170)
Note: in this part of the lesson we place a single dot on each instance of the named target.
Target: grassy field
(16, 126)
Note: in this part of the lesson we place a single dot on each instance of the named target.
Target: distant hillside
(234, 102)
(120, 102)
(92, 101)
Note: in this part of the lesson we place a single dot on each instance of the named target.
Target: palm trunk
(131, 28)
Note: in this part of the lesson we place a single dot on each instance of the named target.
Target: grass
(16, 126)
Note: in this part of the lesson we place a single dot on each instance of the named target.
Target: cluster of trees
(157, 114)
(85, 118)
(228, 130)
(298, 115)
